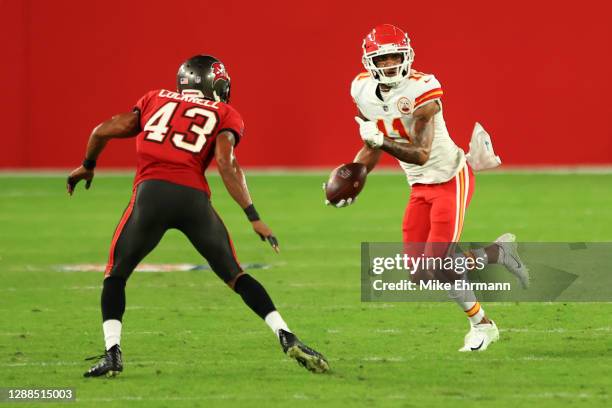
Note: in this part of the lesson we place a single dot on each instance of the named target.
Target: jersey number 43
(157, 127)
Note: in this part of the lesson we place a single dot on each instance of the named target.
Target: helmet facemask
(394, 73)
(221, 90)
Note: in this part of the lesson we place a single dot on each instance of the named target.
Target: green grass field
(189, 341)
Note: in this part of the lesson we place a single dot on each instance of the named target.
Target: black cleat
(304, 355)
(110, 364)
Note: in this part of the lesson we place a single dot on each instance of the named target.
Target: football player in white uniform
(400, 113)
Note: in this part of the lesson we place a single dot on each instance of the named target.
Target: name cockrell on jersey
(393, 115)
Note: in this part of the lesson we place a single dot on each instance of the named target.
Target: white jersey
(394, 117)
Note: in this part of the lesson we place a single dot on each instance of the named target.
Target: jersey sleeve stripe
(428, 94)
(433, 94)
(362, 75)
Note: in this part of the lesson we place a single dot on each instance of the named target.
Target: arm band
(89, 164)
(251, 213)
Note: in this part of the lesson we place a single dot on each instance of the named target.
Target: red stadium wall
(536, 74)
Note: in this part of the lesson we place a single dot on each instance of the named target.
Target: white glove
(370, 133)
(481, 155)
(341, 203)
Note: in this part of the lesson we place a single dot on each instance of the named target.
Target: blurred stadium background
(535, 74)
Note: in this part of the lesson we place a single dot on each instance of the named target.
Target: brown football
(345, 182)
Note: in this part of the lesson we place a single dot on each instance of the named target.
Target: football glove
(370, 133)
(265, 233)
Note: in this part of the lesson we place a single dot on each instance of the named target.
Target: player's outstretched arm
(368, 157)
(235, 183)
(122, 125)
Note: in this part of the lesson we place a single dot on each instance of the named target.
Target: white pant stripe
(457, 206)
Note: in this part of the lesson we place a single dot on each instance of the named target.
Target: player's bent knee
(226, 268)
(232, 282)
(119, 273)
(118, 279)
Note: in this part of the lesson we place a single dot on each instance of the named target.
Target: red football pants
(435, 212)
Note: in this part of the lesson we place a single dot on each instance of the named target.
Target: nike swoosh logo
(479, 346)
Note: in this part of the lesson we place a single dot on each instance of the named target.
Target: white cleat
(509, 257)
(480, 336)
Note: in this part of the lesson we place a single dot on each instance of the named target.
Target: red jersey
(178, 136)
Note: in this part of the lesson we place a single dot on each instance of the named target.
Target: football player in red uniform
(177, 136)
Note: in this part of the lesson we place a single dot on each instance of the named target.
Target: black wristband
(251, 213)
(89, 164)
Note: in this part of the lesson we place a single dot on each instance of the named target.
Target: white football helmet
(387, 39)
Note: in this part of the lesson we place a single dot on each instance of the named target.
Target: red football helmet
(387, 39)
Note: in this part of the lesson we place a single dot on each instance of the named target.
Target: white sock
(473, 311)
(276, 322)
(112, 332)
(466, 300)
